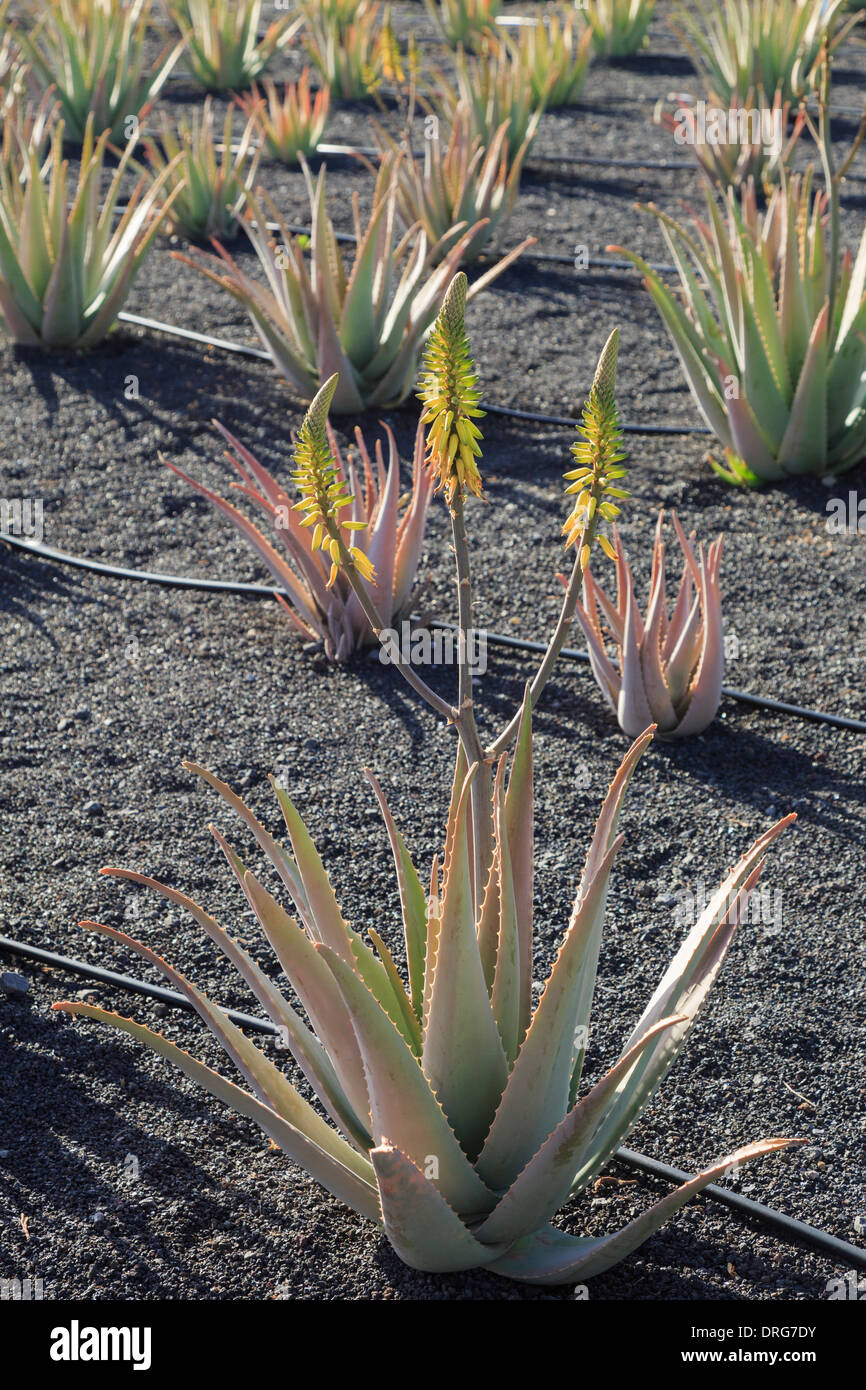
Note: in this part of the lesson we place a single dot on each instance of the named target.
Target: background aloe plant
(354, 58)
(619, 27)
(495, 87)
(459, 1117)
(393, 537)
(93, 53)
(366, 324)
(463, 22)
(223, 48)
(66, 268)
(732, 162)
(774, 45)
(671, 666)
(212, 176)
(555, 55)
(292, 124)
(770, 333)
(460, 184)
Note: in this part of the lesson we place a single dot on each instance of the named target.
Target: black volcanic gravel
(131, 1183)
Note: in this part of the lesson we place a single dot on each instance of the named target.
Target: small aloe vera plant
(366, 324)
(223, 48)
(462, 23)
(67, 267)
(619, 28)
(320, 605)
(755, 139)
(495, 86)
(353, 59)
(93, 54)
(555, 56)
(770, 329)
(453, 1115)
(670, 666)
(293, 124)
(211, 175)
(460, 184)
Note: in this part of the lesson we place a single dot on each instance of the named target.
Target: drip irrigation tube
(498, 639)
(244, 350)
(787, 1226)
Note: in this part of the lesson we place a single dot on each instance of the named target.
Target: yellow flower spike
(598, 454)
(449, 392)
(323, 489)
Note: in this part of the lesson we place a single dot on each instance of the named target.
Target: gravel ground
(118, 1180)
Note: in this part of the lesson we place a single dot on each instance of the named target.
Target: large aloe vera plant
(66, 266)
(453, 1113)
(771, 327)
(366, 324)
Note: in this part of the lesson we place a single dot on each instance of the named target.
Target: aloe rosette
(318, 319)
(619, 27)
(66, 266)
(223, 47)
(770, 330)
(393, 535)
(93, 54)
(671, 666)
(457, 1118)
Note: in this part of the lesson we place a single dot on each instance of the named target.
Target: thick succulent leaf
(404, 1109)
(268, 1082)
(462, 1055)
(281, 861)
(536, 1096)
(412, 901)
(519, 824)
(351, 1188)
(544, 1184)
(552, 1256)
(304, 1046)
(505, 996)
(804, 446)
(314, 985)
(424, 1230)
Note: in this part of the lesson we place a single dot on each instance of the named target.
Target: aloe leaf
(269, 1083)
(412, 900)
(552, 1256)
(544, 1184)
(404, 1109)
(304, 1046)
(536, 1095)
(356, 1191)
(519, 826)
(505, 996)
(462, 1056)
(804, 446)
(424, 1230)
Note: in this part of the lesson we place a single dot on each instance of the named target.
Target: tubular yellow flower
(598, 455)
(324, 493)
(449, 392)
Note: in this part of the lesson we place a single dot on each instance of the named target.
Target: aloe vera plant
(223, 48)
(495, 86)
(460, 1121)
(353, 59)
(292, 124)
(93, 54)
(750, 139)
(671, 666)
(212, 177)
(555, 56)
(67, 267)
(619, 27)
(774, 45)
(366, 324)
(770, 333)
(463, 22)
(393, 537)
(460, 184)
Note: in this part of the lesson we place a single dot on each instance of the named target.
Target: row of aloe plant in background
(459, 1119)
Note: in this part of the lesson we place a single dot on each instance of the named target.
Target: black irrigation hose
(499, 639)
(245, 350)
(788, 1226)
